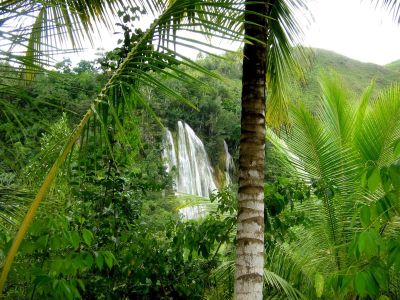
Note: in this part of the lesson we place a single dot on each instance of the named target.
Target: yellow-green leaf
(319, 284)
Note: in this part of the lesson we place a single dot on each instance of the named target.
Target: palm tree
(333, 148)
(266, 58)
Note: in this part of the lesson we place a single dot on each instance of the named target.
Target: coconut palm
(333, 148)
(266, 61)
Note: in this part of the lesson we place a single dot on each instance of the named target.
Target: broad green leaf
(381, 276)
(57, 265)
(87, 259)
(362, 242)
(66, 289)
(372, 287)
(87, 236)
(360, 283)
(385, 179)
(109, 258)
(347, 283)
(81, 284)
(77, 262)
(55, 243)
(364, 179)
(374, 180)
(42, 241)
(365, 216)
(75, 239)
(74, 290)
(368, 243)
(99, 260)
(392, 256)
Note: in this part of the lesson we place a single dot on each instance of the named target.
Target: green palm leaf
(282, 58)
(333, 146)
(380, 128)
(13, 200)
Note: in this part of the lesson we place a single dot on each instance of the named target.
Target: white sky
(354, 28)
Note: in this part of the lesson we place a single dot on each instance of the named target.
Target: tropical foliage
(110, 226)
(347, 153)
(136, 67)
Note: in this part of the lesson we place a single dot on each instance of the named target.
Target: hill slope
(355, 75)
(394, 66)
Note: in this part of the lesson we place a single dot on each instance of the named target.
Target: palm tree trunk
(250, 224)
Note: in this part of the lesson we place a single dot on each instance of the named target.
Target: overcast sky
(353, 28)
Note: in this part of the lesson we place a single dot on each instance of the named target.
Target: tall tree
(266, 60)
(250, 227)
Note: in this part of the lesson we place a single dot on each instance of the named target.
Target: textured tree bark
(250, 224)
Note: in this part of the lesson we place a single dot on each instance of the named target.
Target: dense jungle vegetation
(110, 227)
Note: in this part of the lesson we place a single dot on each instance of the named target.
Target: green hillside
(355, 75)
(394, 66)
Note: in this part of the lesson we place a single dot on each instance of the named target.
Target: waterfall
(168, 153)
(195, 174)
(228, 165)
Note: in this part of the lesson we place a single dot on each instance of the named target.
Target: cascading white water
(195, 174)
(168, 153)
(228, 165)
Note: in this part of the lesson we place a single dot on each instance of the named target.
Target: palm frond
(381, 127)
(39, 27)
(362, 106)
(333, 146)
(13, 201)
(293, 265)
(282, 57)
(290, 161)
(392, 6)
(281, 287)
(276, 287)
(336, 110)
(320, 155)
